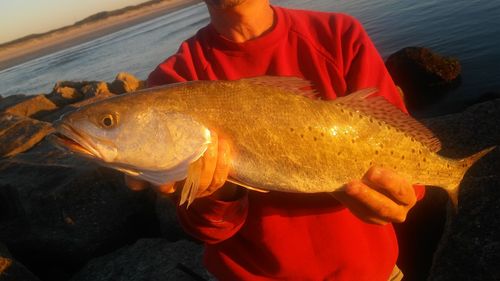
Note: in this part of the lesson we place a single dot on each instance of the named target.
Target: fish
(282, 136)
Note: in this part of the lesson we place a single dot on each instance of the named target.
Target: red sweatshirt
(281, 236)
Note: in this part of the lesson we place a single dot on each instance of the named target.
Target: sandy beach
(26, 50)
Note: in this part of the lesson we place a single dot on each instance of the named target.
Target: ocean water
(467, 30)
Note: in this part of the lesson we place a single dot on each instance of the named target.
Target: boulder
(57, 210)
(148, 260)
(423, 75)
(33, 106)
(470, 246)
(6, 102)
(18, 134)
(98, 89)
(125, 83)
(70, 92)
(64, 95)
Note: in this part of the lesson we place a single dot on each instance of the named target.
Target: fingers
(135, 184)
(209, 162)
(381, 197)
(166, 188)
(368, 204)
(221, 171)
(391, 184)
(222, 168)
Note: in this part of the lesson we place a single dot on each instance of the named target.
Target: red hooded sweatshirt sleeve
(281, 236)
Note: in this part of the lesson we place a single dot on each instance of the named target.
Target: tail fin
(463, 167)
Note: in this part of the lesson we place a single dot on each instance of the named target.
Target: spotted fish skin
(281, 139)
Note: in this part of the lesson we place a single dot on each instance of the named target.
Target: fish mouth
(67, 138)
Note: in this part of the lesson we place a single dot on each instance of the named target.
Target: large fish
(281, 139)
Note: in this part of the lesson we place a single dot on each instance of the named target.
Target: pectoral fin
(192, 183)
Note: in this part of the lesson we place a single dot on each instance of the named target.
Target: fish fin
(291, 84)
(453, 188)
(358, 95)
(192, 183)
(381, 109)
(232, 180)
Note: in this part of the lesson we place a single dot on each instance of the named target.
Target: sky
(19, 18)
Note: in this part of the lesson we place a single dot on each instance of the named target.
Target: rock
(125, 83)
(33, 106)
(423, 75)
(18, 134)
(9, 101)
(470, 246)
(99, 89)
(11, 269)
(57, 211)
(148, 260)
(73, 84)
(167, 217)
(67, 94)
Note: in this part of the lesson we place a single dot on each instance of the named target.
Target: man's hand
(380, 197)
(215, 169)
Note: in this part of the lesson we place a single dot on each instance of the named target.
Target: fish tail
(462, 166)
(192, 183)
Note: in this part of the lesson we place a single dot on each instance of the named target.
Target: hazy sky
(19, 18)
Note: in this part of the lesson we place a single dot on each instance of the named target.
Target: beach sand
(26, 50)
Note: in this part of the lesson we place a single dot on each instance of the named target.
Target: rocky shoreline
(65, 218)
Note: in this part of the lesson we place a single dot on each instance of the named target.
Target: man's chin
(224, 4)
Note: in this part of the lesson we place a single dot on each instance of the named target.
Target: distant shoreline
(25, 50)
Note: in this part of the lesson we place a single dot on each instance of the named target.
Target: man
(255, 236)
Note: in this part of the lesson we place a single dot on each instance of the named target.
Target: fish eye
(108, 121)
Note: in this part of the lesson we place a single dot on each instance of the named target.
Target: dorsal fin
(294, 85)
(381, 109)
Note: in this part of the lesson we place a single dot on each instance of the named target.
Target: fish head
(90, 131)
(132, 137)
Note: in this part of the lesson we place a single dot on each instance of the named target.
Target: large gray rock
(470, 246)
(148, 260)
(58, 211)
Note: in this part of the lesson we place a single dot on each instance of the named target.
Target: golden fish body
(280, 140)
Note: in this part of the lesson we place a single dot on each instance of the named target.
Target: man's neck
(243, 22)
